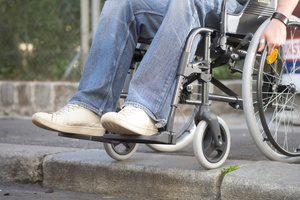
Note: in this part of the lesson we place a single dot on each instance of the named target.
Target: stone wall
(22, 99)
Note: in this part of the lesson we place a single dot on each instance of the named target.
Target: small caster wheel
(120, 150)
(207, 155)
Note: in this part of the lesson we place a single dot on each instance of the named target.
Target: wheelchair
(270, 99)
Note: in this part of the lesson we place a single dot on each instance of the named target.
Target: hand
(274, 35)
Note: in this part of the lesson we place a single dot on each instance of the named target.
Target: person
(122, 24)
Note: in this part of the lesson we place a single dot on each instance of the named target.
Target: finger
(270, 49)
(262, 44)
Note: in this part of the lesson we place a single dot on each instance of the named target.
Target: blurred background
(49, 40)
(40, 40)
(43, 45)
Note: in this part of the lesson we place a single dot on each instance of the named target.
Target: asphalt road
(17, 191)
(22, 131)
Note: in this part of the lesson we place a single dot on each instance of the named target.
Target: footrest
(82, 137)
(159, 138)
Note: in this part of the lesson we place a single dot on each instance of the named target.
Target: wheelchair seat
(254, 13)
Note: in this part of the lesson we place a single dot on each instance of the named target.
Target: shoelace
(67, 108)
(129, 110)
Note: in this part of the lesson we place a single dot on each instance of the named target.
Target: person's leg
(151, 88)
(121, 24)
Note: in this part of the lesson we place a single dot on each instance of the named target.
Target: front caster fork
(205, 114)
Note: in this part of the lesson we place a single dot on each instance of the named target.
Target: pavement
(82, 166)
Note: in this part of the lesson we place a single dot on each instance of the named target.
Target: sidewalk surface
(83, 166)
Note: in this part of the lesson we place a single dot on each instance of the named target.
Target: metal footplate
(159, 138)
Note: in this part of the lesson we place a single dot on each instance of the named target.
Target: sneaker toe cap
(41, 115)
(41, 119)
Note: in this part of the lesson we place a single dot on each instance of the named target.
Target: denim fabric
(121, 25)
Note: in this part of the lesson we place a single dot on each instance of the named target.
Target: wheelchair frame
(214, 42)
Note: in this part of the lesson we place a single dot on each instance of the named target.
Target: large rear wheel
(271, 94)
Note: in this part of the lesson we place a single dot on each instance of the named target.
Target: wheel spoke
(276, 99)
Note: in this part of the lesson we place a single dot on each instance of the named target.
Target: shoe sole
(80, 130)
(124, 128)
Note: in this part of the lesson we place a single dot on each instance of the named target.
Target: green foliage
(229, 169)
(224, 73)
(38, 39)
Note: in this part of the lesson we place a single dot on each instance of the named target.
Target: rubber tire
(255, 132)
(117, 156)
(198, 145)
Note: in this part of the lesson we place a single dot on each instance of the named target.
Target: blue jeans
(122, 24)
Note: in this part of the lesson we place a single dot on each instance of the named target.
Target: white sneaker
(73, 119)
(129, 121)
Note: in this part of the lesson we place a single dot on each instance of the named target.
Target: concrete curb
(263, 180)
(20, 163)
(145, 175)
(152, 175)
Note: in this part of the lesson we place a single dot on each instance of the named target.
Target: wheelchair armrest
(251, 17)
